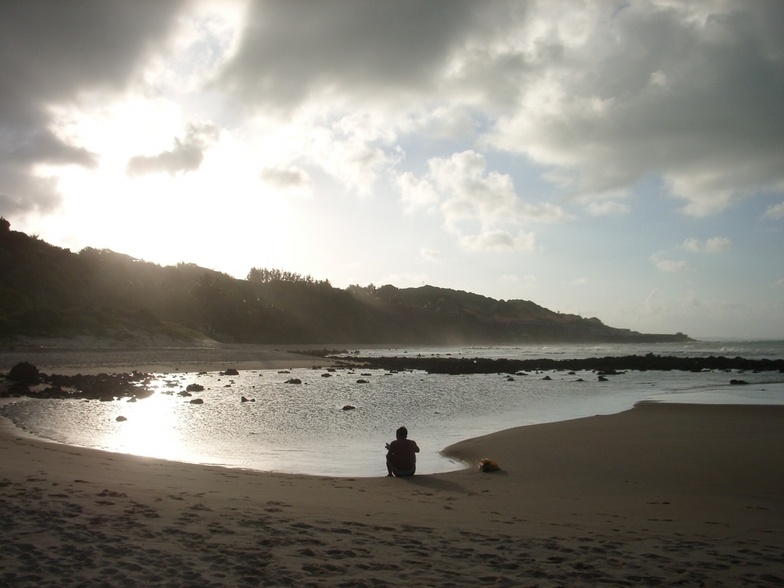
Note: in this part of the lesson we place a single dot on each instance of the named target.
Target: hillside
(50, 291)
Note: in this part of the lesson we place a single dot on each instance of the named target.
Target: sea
(336, 423)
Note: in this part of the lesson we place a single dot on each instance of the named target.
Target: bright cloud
(430, 254)
(774, 212)
(670, 265)
(714, 245)
(477, 205)
(606, 208)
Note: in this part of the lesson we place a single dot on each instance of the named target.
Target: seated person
(401, 455)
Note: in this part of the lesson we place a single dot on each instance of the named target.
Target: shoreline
(661, 493)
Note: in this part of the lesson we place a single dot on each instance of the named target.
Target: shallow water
(305, 428)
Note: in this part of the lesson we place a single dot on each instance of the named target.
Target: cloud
(669, 265)
(498, 240)
(714, 245)
(186, 156)
(527, 279)
(654, 303)
(775, 211)
(607, 208)
(603, 97)
(294, 50)
(690, 92)
(49, 53)
(286, 177)
(477, 205)
(430, 254)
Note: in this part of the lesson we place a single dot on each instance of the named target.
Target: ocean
(333, 425)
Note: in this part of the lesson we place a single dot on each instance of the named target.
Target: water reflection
(305, 429)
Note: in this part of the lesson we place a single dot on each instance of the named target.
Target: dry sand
(661, 495)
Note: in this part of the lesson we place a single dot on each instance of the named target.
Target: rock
(326, 375)
(293, 381)
(361, 381)
(132, 399)
(194, 388)
(243, 399)
(739, 383)
(121, 419)
(230, 372)
(547, 378)
(24, 373)
(602, 379)
(349, 407)
(197, 401)
(184, 393)
(510, 379)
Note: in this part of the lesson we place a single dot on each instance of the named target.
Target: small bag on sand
(488, 465)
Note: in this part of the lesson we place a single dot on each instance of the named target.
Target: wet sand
(87, 356)
(661, 495)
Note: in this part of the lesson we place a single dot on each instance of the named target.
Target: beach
(663, 494)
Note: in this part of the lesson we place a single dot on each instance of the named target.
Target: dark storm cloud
(49, 51)
(294, 48)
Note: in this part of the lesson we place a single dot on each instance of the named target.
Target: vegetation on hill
(50, 291)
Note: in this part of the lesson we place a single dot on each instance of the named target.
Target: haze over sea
(310, 428)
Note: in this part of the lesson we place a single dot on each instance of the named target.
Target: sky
(619, 160)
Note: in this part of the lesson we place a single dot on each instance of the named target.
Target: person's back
(401, 455)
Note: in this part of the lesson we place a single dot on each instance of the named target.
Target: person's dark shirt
(402, 454)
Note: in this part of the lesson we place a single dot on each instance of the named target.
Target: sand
(660, 495)
(88, 356)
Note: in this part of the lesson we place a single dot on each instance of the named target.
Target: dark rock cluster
(602, 365)
(92, 387)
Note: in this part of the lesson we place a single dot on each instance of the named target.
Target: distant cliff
(50, 291)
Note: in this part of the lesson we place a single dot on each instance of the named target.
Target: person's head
(402, 433)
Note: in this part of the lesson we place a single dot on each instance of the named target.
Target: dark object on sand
(243, 399)
(361, 381)
(488, 465)
(194, 388)
(294, 381)
(349, 407)
(197, 401)
(738, 383)
(24, 373)
(120, 419)
(230, 372)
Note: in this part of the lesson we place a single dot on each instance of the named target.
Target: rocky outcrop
(602, 365)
